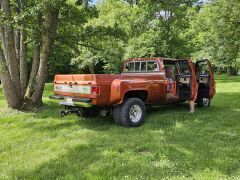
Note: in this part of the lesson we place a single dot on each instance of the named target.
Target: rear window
(137, 66)
(141, 66)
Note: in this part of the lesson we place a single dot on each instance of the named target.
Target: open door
(187, 81)
(171, 72)
(205, 77)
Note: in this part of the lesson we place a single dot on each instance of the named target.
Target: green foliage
(143, 29)
(113, 31)
(102, 38)
(165, 24)
(72, 19)
(218, 32)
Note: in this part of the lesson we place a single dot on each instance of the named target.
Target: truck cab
(143, 82)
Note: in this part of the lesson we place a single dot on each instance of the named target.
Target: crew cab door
(205, 79)
(187, 81)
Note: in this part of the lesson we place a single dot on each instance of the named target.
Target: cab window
(184, 68)
(137, 66)
(143, 66)
(129, 67)
(202, 68)
(152, 66)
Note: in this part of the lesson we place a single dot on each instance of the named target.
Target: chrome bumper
(72, 101)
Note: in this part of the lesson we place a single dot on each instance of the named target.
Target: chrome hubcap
(135, 113)
(205, 101)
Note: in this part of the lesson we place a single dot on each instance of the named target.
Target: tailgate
(74, 85)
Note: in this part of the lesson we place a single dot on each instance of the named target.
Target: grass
(171, 144)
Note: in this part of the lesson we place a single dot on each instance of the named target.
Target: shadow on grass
(51, 112)
(172, 143)
(162, 116)
(75, 162)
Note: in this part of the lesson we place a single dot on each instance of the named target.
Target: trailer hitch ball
(63, 113)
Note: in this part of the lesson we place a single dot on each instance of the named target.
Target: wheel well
(141, 94)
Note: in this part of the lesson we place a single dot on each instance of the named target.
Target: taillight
(95, 90)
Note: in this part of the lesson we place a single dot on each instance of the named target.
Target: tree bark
(48, 40)
(232, 71)
(36, 59)
(10, 51)
(218, 70)
(18, 32)
(13, 56)
(32, 78)
(2, 36)
(17, 43)
(10, 93)
(23, 63)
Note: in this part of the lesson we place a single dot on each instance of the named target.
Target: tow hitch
(84, 112)
(69, 110)
(66, 112)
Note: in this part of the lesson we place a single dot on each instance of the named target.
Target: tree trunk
(12, 98)
(32, 78)
(10, 51)
(232, 71)
(23, 63)
(2, 36)
(218, 70)
(17, 33)
(48, 40)
(19, 92)
(17, 43)
(36, 59)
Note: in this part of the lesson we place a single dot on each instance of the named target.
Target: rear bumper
(72, 101)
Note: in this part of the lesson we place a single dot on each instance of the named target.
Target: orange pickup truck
(143, 82)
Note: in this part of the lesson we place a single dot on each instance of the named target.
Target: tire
(117, 114)
(131, 113)
(87, 112)
(203, 102)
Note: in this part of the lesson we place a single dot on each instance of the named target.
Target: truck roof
(149, 59)
(155, 58)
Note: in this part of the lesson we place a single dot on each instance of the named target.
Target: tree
(39, 19)
(217, 33)
(70, 27)
(102, 39)
(163, 33)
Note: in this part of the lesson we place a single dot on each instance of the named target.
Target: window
(184, 68)
(137, 66)
(129, 67)
(202, 68)
(143, 66)
(170, 71)
(152, 66)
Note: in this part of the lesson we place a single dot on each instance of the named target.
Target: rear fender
(120, 87)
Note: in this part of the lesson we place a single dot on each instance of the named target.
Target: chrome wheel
(135, 113)
(205, 102)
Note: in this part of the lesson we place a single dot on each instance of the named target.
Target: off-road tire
(201, 102)
(122, 116)
(117, 114)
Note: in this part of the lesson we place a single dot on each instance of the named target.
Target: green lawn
(171, 144)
